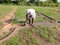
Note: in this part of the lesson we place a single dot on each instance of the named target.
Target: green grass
(48, 11)
(25, 36)
(20, 14)
(12, 41)
(4, 10)
(45, 10)
(34, 42)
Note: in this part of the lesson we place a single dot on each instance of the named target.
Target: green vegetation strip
(48, 11)
(4, 10)
(20, 14)
(24, 36)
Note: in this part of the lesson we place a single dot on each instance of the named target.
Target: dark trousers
(29, 19)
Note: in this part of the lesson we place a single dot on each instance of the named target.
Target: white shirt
(32, 12)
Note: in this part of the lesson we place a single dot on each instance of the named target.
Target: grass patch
(12, 41)
(34, 42)
(48, 11)
(46, 33)
(4, 10)
(24, 36)
(20, 14)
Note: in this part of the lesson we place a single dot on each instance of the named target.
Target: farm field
(4, 10)
(52, 12)
(40, 34)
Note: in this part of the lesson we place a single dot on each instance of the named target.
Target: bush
(0, 1)
(21, 3)
(52, 4)
(37, 3)
(33, 3)
(44, 3)
(58, 4)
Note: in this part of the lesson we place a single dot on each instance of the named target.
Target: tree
(0, 1)
(54, 1)
(37, 2)
(31, 1)
(15, 1)
(50, 1)
(4, 1)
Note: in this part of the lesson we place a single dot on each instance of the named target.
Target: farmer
(30, 15)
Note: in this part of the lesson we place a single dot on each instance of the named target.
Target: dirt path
(56, 11)
(10, 16)
(8, 26)
(12, 33)
(13, 28)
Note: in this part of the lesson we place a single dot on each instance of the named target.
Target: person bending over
(30, 16)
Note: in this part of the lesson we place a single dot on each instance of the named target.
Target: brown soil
(44, 42)
(10, 16)
(56, 11)
(8, 26)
